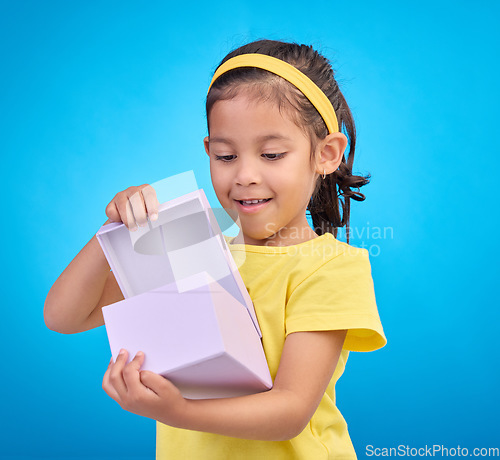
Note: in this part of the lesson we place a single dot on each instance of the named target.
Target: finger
(131, 220)
(124, 209)
(112, 212)
(116, 373)
(138, 208)
(151, 201)
(131, 373)
(106, 384)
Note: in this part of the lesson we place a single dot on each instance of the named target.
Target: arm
(74, 303)
(306, 367)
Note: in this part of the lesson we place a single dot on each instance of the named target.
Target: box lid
(185, 240)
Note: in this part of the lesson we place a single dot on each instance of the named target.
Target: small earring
(324, 174)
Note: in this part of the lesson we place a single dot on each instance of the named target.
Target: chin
(258, 234)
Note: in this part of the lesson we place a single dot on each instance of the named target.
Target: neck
(284, 237)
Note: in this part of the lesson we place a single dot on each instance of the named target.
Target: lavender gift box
(186, 306)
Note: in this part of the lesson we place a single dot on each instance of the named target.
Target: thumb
(155, 382)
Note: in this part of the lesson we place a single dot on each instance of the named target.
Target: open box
(186, 306)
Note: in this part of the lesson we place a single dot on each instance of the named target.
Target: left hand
(142, 392)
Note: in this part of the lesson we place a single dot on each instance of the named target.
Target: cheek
(219, 181)
(294, 176)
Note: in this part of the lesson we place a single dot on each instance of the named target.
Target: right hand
(133, 206)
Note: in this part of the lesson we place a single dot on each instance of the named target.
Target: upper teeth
(253, 201)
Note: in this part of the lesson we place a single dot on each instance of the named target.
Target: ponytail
(330, 204)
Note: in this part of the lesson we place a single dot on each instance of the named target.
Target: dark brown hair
(332, 194)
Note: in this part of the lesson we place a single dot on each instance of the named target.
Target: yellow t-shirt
(321, 284)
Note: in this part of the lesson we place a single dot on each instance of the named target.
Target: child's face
(258, 153)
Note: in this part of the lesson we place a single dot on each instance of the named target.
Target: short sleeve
(339, 295)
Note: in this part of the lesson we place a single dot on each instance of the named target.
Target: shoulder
(316, 256)
(337, 292)
(328, 257)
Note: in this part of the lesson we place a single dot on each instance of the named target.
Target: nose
(248, 172)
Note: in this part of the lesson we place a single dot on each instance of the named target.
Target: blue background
(98, 96)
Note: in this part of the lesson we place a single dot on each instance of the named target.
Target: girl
(276, 122)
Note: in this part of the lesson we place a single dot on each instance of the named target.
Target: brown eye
(273, 156)
(225, 158)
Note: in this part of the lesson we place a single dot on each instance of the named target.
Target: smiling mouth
(253, 202)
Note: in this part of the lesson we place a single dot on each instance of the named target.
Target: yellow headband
(289, 73)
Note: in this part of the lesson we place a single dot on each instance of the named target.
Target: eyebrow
(267, 137)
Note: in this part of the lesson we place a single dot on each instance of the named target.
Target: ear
(329, 153)
(207, 145)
